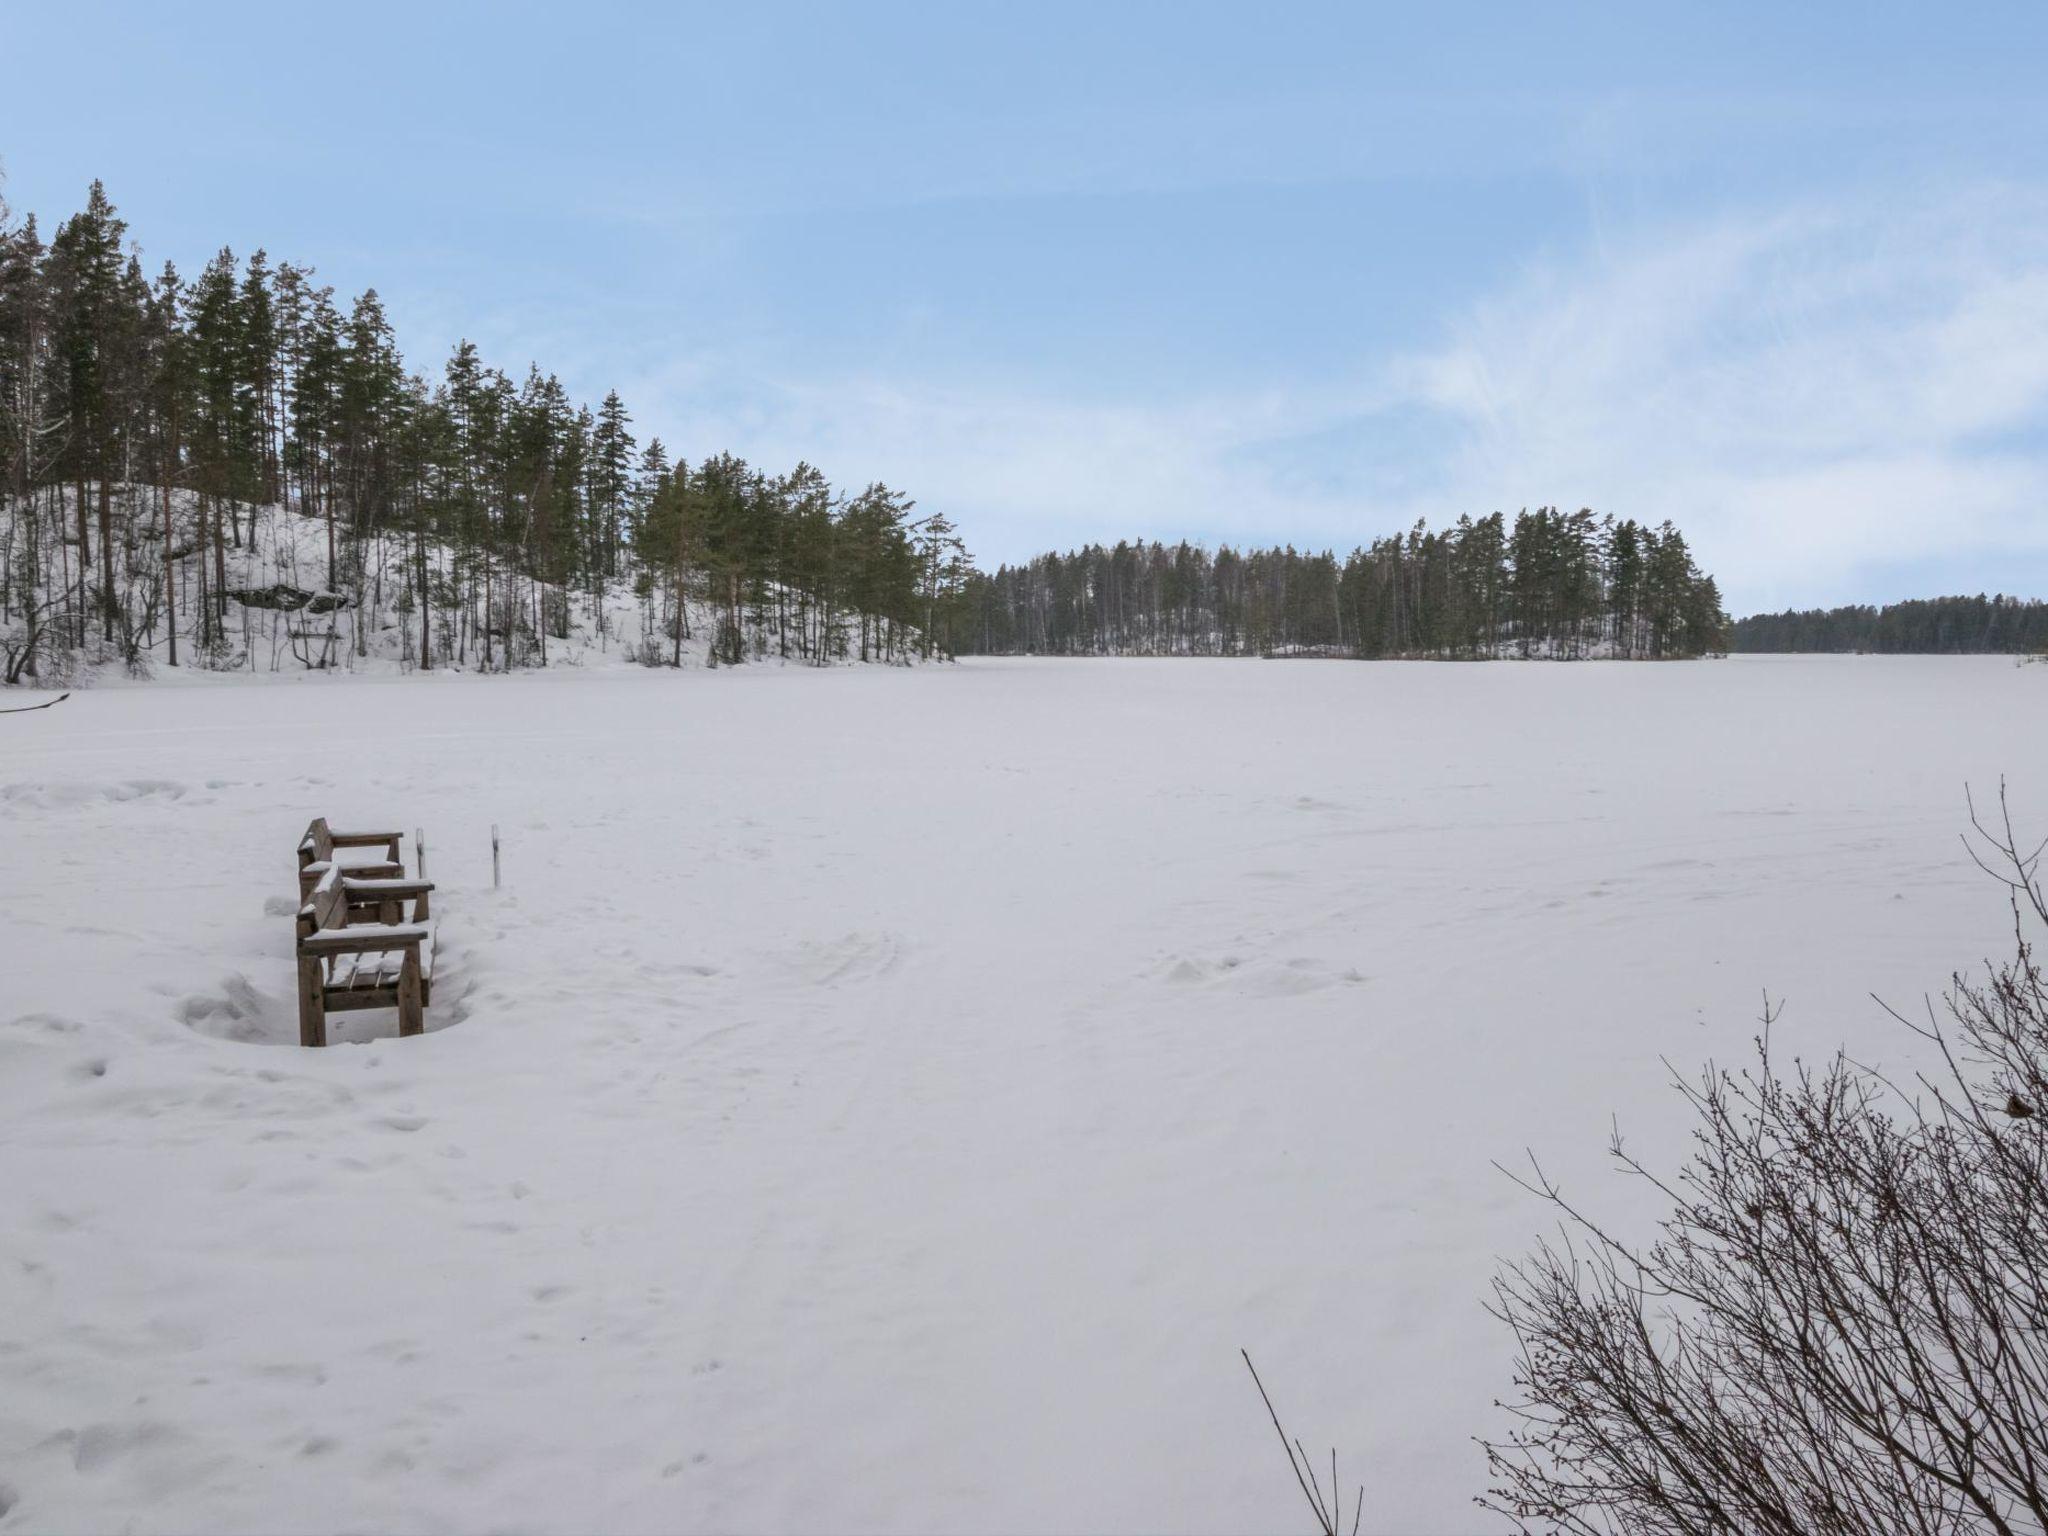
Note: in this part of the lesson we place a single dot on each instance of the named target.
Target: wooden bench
(355, 948)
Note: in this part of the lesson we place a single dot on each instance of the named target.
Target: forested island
(1940, 626)
(1551, 584)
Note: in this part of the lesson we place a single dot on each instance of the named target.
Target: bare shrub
(1843, 1324)
(1328, 1508)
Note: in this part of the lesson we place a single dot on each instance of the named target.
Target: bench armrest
(357, 941)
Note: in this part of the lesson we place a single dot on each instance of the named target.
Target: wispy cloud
(1818, 395)
(1823, 396)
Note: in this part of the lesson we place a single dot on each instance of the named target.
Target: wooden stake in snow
(419, 848)
(494, 855)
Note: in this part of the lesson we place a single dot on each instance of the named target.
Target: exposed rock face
(288, 597)
(281, 595)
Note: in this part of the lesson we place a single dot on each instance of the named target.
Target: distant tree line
(143, 421)
(1552, 584)
(1939, 626)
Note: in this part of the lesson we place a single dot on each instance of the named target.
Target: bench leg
(411, 1020)
(312, 1003)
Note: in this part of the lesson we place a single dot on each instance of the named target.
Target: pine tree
(611, 481)
(259, 368)
(316, 412)
(940, 559)
(85, 266)
(170, 390)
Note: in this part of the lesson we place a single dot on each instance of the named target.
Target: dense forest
(1941, 626)
(1550, 584)
(148, 425)
(178, 457)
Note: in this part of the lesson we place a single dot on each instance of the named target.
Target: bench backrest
(317, 846)
(326, 907)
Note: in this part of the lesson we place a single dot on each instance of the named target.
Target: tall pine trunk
(327, 497)
(107, 602)
(170, 557)
(220, 573)
(426, 610)
(84, 560)
(682, 611)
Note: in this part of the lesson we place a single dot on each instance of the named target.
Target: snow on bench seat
(376, 968)
(338, 941)
(383, 886)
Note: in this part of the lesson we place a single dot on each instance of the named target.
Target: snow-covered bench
(354, 948)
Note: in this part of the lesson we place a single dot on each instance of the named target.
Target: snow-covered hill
(302, 596)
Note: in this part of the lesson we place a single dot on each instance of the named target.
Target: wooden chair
(317, 855)
(319, 843)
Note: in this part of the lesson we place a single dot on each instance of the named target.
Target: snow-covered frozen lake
(887, 1100)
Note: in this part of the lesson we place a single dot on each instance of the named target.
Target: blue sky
(1256, 273)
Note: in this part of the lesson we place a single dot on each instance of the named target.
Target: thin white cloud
(1021, 472)
(1816, 395)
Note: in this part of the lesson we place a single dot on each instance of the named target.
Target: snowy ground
(887, 1100)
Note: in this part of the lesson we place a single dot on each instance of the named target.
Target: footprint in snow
(1277, 978)
(855, 957)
